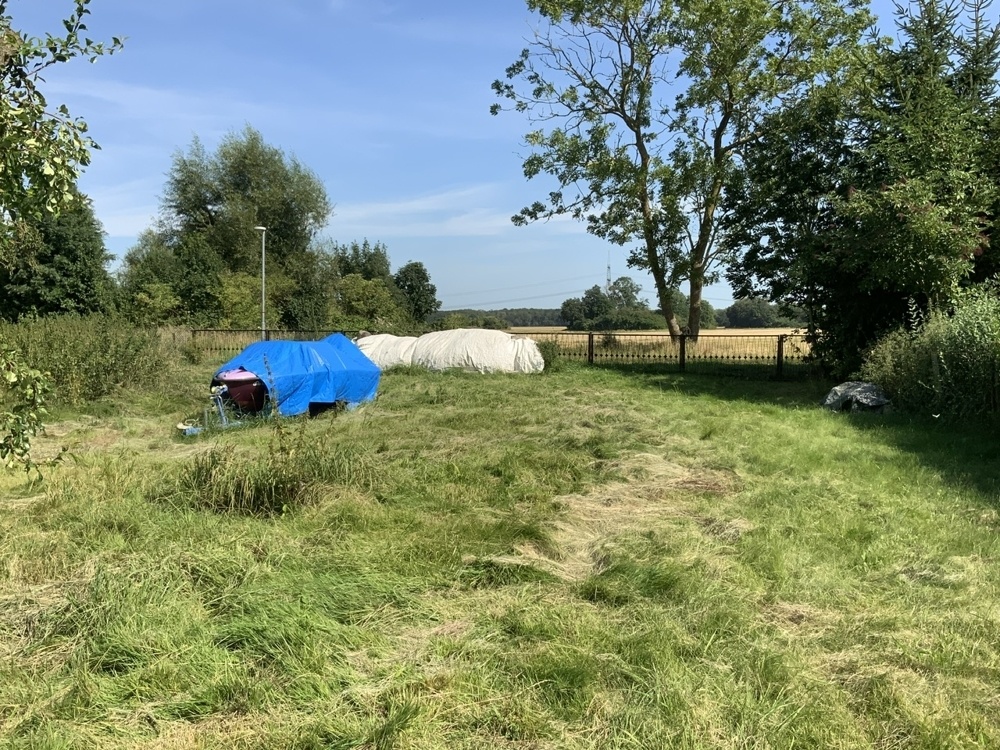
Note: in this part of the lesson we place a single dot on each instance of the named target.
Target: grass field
(591, 558)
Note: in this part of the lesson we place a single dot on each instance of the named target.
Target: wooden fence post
(590, 348)
(781, 355)
(683, 352)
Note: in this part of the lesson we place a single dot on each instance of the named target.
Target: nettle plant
(23, 390)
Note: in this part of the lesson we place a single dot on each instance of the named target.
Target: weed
(292, 474)
(550, 355)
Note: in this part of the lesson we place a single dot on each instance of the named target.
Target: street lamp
(263, 284)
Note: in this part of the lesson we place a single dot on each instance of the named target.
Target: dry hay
(90, 435)
(729, 531)
(656, 493)
(183, 735)
(801, 619)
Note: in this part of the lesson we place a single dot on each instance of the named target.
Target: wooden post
(683, 352)
(781, 355)
(590, 348)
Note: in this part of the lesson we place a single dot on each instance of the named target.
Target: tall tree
(212, 204)
(654, 103)
(246, 183)
(877, 192)
(624, 292)
(414, 282)
(364, 259)
(59, 266)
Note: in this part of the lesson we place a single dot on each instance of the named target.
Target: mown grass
(588, 558)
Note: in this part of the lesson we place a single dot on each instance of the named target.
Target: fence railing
(217, 342)
(782, 355)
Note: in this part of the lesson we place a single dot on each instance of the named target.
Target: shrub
(948, 365)
(22, 408)
(87, 357)
(550, 354)
(751, 313)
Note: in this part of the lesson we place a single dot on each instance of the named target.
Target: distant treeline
(508, 317)
(744, 313)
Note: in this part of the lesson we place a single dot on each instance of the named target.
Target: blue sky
(386, 101)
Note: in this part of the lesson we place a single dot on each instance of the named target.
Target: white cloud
(464, 212)
(162, 111)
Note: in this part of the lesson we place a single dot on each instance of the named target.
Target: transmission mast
(607, 284)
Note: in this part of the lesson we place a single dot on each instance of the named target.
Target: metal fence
(773, 355)
(743, 355)
(225, 342)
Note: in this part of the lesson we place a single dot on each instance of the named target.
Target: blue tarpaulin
(303, 373)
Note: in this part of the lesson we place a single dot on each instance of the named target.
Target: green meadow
(589, 558)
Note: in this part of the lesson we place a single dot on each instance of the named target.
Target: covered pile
(304, 375)
(463, 348)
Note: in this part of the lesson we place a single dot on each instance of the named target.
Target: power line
(482, 305)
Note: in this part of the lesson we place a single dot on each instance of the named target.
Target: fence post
(683, 353)
(590, 348)
(781, 355)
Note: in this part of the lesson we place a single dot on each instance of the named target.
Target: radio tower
(607, 284)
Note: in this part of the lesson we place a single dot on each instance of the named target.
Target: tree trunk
(652, 254)
(662, 292)
(694, 303)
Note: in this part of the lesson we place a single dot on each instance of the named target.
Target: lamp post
(263, 285)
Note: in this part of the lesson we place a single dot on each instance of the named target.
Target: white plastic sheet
(472, 349)
(386, 350)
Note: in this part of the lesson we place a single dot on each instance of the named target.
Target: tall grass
(292, 473)
(87, 357)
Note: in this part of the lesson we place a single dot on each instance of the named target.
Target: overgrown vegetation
(293, 473)
(626, 559)
(947, 364)
(88, 357)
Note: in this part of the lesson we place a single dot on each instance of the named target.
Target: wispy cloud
(462, 212)
(159, 110)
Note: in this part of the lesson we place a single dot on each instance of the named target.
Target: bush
(550, 354)
(87, 357)
(948, 365)
(22, 408)
(752, 313)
